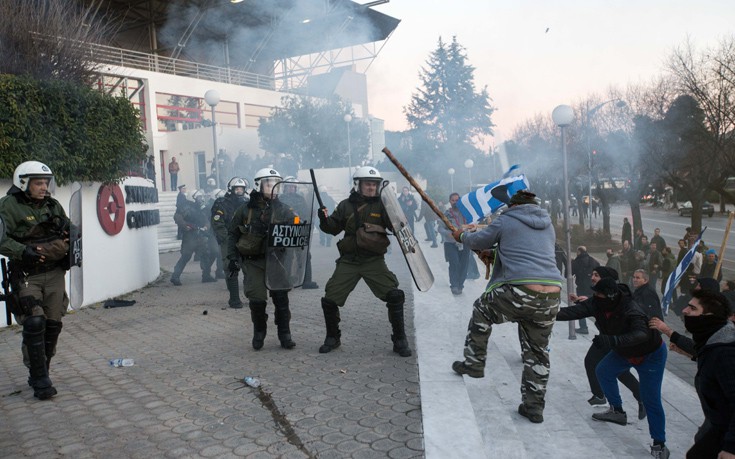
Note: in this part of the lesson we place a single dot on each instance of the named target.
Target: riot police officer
(223, 209)
(37, 244)
(247, 238)
(361, 259)
(194, 223)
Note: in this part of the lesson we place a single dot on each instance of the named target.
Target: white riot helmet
(365, 173)
(219, 194)
(28, 170)
(266, 175)
(199, 196)
(236, 182)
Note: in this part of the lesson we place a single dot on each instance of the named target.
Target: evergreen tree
(447, 114)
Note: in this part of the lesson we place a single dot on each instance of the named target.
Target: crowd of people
(228, 229)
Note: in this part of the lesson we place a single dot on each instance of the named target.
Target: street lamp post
(212, 98)
(563, 115)
(590, 113)
(468, 164)
(348, 120)
(450, 171)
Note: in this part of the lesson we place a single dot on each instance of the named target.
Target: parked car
(686, 209)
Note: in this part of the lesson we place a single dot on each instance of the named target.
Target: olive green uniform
(40, 299)
(253, 218)
(355, 263)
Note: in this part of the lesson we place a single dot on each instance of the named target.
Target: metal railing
(135, 59)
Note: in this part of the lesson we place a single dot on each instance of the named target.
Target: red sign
(111, 209)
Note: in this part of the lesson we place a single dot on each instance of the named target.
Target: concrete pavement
(184, 396)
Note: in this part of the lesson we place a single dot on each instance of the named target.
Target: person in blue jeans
(624, 328)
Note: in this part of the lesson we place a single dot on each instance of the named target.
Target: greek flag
(482, 202)
(678, 273)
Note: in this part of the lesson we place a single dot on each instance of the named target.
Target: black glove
(322, 214)
(605, 341)
(30, 255)
(233, 267)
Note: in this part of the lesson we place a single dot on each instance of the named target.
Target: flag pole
(724, 244)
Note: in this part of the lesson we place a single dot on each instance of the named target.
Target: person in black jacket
(582, 267)
(624, 327)
(645, 294)
(597, 352)
(706, 318)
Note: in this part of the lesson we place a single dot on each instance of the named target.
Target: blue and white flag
(482, 202)
(678, 273)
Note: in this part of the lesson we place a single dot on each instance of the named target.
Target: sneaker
(433, 246)
(641, 411)
(613, 416)
(536, 418)
(582, 331)
(455, 291)
(595, 400)
(461, 368)
(660, 451)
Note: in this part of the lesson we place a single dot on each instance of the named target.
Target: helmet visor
(267, 184)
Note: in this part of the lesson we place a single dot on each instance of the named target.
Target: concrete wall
(113, 265)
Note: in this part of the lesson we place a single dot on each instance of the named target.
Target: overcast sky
(589, 45)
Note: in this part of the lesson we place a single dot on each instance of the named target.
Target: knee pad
(395, 296)
(34, 324)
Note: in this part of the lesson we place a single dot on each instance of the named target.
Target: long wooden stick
(421, 192)
(724, 244)
(427, 199)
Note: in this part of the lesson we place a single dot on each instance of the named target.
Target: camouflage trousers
(535, 314)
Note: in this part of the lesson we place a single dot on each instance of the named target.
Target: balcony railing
(135, 59)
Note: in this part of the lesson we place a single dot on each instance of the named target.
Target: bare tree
(709, 77)
(48, 39)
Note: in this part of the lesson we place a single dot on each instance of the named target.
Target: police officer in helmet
(37, 244)
(361, 260)
(223, 209)
(250, 224)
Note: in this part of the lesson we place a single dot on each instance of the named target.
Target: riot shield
(420, 271)
(289, 233)
(76, 273)
(2, 229)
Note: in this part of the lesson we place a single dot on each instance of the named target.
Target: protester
(409, 205)
(524, 287)
(624, 328)
(455, 253)
(582, 267)
(706, 318)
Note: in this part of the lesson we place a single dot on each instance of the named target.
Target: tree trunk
(635, 210)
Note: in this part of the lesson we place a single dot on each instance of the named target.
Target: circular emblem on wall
(111, 209)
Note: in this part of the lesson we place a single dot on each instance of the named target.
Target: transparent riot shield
(76, 273)
(289, 234)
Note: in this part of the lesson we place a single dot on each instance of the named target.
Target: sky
(534, 55)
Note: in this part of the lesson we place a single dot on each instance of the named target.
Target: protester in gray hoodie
(524, 288)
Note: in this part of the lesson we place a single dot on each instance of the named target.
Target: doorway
(200, 160)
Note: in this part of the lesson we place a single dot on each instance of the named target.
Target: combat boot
(53, 329)
(260, 323)
(34, 330)
(232, 287)
(395, 300)
(331, 319)
(283, 319)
